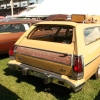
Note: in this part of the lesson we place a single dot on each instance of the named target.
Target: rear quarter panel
(90, 52)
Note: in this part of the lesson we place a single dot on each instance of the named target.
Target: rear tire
(75, 90)
(97, 74)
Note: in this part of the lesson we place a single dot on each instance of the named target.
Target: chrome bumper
(49, 77)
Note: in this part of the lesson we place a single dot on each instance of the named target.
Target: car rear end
(48, 51)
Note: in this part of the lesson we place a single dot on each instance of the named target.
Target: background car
(11, 30)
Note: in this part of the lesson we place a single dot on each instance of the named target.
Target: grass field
(14, 86)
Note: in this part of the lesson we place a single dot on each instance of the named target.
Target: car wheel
(97, 74)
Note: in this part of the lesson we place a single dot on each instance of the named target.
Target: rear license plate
(37, 74)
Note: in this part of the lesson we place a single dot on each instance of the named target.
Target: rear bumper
(49, 77)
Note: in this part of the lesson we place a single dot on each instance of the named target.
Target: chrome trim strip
(80, 75)
(91, 61)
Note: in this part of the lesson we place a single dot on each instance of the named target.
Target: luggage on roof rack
(78, 18)
(63, 17)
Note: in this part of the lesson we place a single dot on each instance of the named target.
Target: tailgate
(54, 57)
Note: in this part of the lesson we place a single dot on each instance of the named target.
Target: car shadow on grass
(6, 94)
(58, 91)
(3, 56)
(98, 96)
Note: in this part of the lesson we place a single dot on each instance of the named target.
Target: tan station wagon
(66, 53)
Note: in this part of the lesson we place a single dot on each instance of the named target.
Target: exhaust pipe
(47, 79)
(24, 71)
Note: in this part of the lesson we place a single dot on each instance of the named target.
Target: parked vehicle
(61, 52)
(11, 30)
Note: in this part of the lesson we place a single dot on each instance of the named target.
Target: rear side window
(53, 33)
(91, 34)
(14, 28)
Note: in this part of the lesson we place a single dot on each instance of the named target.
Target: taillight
(78, 67)
(11, 51)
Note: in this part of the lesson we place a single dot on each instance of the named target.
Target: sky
(39, 1)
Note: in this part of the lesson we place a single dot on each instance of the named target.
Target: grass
(14, 86)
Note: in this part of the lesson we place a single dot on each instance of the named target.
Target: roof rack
(78, 18)
(63, 17)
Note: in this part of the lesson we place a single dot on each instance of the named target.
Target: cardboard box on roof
(96, 18)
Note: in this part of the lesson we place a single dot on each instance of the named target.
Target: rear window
(13, 28)
(52, 33)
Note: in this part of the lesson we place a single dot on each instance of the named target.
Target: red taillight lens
(11, 51)
(78, 67)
